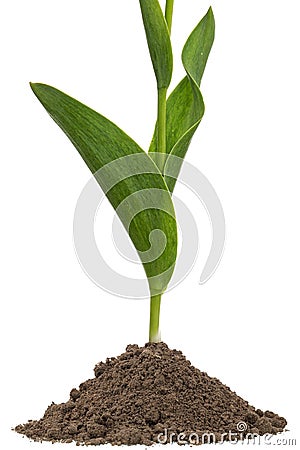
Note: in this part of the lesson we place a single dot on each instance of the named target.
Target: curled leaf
(159, 43)
(185, 106)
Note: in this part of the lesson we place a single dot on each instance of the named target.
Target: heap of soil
(146, 395)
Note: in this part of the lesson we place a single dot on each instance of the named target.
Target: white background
(242, 325)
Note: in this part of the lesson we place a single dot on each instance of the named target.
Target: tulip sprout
(100, 143)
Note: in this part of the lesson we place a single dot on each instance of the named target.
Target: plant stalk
(162, 128)
(169, 13)
(154, 333)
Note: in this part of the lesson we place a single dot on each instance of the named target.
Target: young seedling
(110, 153)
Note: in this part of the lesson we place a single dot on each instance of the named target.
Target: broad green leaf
(129, 178)
(159, 43)
(185, 106)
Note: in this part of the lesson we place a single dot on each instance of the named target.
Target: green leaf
(185, 106)
(159, 43)
(129, 178)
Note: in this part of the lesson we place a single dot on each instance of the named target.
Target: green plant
(101, 143)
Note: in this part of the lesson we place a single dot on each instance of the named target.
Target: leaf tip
(210, 14)
(40, 90)
(34, 86)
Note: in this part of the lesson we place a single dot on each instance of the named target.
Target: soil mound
(151, 394)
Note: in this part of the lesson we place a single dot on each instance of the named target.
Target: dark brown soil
(146, 395)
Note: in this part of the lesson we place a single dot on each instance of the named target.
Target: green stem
(169, 13)
(154, 333)
(162, 128)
